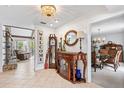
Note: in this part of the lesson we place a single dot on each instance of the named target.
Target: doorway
(23, 47)
(105, 46)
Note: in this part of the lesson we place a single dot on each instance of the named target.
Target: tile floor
(108, 78)
(25, 77)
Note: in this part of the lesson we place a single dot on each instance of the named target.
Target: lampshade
(103, 39)
(99, 39)
(48, 10)
(80, 34)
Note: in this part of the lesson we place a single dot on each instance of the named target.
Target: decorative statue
(64, 46)
(60, 44)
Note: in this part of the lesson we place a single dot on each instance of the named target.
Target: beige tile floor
(25, 77)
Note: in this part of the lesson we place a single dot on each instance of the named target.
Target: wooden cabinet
(70, 63)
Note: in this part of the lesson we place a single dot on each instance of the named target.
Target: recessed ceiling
(31, 14)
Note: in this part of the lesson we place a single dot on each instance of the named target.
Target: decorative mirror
(71, 38)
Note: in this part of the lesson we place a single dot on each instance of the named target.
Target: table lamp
(81, 37)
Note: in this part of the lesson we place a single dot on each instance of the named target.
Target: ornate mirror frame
(73, 31)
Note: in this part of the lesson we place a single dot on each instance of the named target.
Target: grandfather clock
(52, 50)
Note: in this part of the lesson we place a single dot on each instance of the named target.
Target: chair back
(112, 53)
(117, 56)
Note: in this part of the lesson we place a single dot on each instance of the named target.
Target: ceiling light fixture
(100, 38)
(48, 10)
(56, 20)
(51, 25)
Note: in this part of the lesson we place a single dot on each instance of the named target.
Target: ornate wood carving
(111, 46)
(71, 59)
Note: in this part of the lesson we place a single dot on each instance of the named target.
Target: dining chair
(114, 60)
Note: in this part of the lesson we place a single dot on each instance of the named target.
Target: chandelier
(99, 39)
(48, 10)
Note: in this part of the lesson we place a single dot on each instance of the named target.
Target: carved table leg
(58, 66)
(69, 73)
(95, 67)
(74, 79)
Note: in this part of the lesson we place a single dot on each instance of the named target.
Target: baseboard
(39, 68)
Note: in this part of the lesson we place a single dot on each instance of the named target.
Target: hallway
(26, 66)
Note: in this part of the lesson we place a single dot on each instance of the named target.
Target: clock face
(52, 42)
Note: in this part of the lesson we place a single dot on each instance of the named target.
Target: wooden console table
(71, 59)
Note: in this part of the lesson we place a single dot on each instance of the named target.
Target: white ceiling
(112, 24)
(28, 15)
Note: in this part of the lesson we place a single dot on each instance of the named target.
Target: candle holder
(81, 37)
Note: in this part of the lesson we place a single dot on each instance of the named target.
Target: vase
(78, 74)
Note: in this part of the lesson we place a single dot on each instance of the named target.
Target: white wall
(117, 38)
(46, 32)
(1, 48)
(78, 25)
